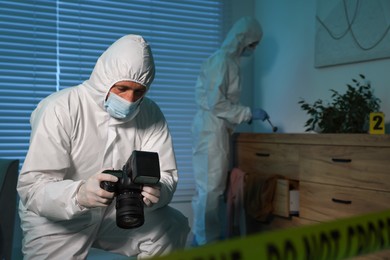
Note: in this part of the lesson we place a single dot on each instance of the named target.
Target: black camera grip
(108, 186)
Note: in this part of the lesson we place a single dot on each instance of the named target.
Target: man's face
(129, 90)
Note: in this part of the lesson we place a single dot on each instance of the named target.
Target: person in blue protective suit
(76, 134)
(217, 96)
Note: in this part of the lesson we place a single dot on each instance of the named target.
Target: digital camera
(141, 168)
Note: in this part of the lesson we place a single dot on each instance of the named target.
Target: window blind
(47, 46)
(27, 69)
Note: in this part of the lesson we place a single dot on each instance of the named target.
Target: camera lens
(129, 209)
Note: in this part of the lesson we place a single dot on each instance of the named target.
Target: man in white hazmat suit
(219, 111)
(76, 134)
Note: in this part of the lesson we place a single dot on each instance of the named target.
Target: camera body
(141, 168)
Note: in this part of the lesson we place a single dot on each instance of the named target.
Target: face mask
(120, 108)
(247, 52)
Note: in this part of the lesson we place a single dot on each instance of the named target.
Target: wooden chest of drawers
(339, 175)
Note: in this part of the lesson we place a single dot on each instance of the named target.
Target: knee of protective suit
(178, 228)
(170, 231)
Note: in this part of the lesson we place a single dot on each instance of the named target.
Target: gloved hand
(151, 194)
(259, 114)
(91, 195)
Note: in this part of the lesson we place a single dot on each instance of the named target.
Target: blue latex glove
(259, 114)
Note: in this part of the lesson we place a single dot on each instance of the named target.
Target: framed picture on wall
(351, 31)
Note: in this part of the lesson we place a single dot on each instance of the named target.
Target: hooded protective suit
(217, 95)
(72, 138)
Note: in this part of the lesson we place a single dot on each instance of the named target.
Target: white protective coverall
(72, 138)
(219, 111)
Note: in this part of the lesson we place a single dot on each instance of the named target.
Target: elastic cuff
(76, 201)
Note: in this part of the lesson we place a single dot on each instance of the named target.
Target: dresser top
(319, 139)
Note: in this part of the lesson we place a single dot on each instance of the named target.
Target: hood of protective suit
(245, 31)
(128, 59)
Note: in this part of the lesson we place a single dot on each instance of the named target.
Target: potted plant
(347, 113)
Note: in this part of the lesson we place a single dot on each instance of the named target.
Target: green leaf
(346, 113)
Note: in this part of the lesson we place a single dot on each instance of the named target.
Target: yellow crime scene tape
(339, 239)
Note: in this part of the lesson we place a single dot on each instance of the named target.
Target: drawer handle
(337, 160)
(263, 154)
(342, 201)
